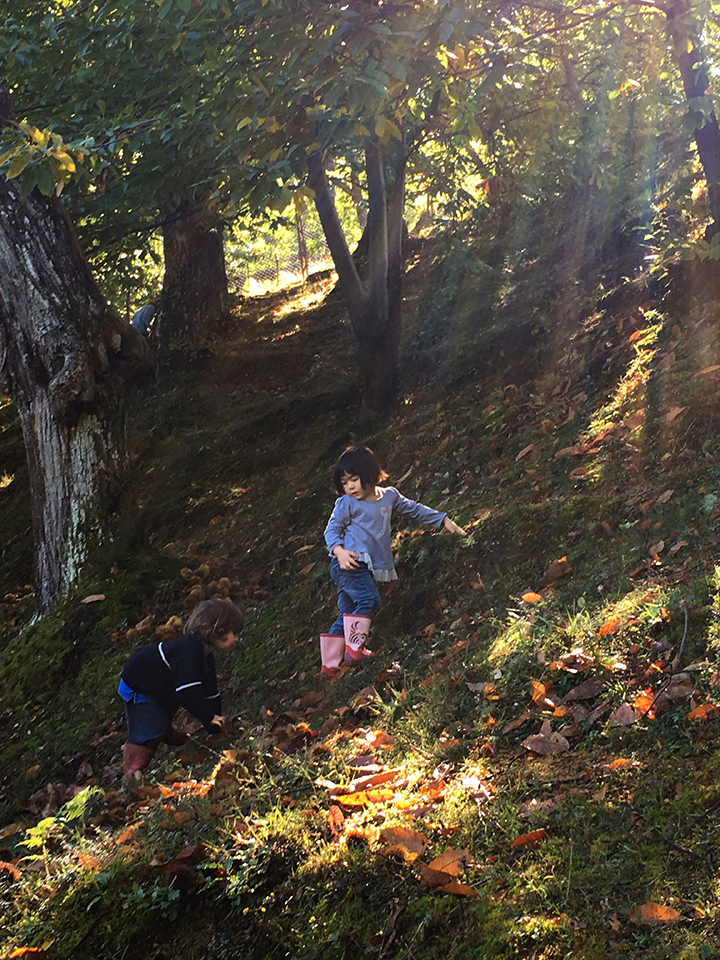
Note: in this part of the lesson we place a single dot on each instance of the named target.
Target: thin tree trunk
(352, 288)
(374, 306)
(63, 355)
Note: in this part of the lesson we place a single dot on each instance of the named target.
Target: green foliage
(161, 898)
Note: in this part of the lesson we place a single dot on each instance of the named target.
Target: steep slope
(527, 766)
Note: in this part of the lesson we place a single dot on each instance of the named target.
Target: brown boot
(174, 737)
(135, 757)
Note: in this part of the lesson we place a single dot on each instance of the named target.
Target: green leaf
(18, 164)
(28, 183)
(45, 182)
(393, 129)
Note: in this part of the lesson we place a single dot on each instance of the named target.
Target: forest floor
(527, 768)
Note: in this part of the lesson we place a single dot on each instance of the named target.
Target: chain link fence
(288, 264)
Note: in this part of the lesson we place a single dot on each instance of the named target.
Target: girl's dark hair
(358, 462)
(212, 619)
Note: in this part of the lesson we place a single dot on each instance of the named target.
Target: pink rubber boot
(135, 758)
(356, 627)
(332, 648)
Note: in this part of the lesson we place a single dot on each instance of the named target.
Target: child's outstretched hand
(452, 527)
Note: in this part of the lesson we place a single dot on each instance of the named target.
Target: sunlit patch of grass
(6, 479)
(306, 299)
(630, 387)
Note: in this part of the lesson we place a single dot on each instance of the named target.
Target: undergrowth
(543, 705)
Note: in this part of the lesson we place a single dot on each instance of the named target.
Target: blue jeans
(147, 722)
(357, 593)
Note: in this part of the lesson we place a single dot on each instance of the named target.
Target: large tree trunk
(374, 305)
(194, 295)
(63, 356)
(696, 84)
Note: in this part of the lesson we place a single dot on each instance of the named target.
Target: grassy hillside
(538, 726)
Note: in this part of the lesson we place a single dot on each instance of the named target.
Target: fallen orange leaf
(556, 570)
(643, 702)
(657, 546)
(460, 889)
(675, 412)
(530, 839)
(362, 799)
(525, 450)
(620, 763)
(517, 722)
(335, 819)
(703, 711)
(651, 913)
(610, 627)
(412, 841)
(434, 789)
(373, 780)
(531, 597)
(452, 861)
(538, 692)
(378, 738)
(431, 879)
(127, 834)
(87, 861)
(10, 868)
(10, 830)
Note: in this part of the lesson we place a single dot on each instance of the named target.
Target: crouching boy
(162, 677)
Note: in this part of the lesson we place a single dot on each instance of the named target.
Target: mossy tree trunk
(64, 355)
(195, 293)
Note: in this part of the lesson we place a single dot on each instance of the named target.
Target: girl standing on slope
(359, 541)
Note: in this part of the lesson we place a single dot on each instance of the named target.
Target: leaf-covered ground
(528, 766)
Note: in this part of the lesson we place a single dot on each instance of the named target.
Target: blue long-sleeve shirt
(363, 526)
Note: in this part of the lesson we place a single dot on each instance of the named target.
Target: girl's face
(352, 486)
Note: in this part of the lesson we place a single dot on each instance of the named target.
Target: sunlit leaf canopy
(138, 107)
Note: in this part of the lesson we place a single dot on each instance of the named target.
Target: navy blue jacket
(177, 673)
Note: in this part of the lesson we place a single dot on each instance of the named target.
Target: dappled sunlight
(305, 298)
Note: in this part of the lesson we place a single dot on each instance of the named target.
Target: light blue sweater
(363, 526)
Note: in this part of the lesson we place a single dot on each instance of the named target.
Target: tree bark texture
(689, 58)
(64, 354)
(374, 304)
(195, 292)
